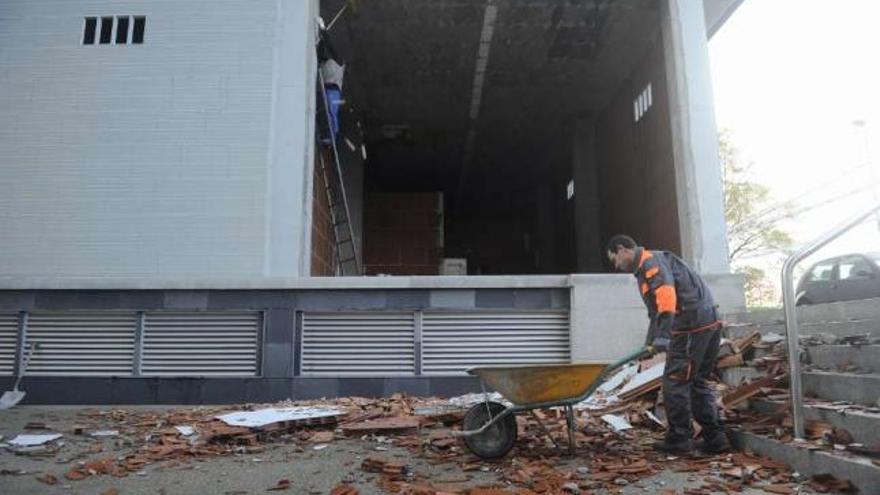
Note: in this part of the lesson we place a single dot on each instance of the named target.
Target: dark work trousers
(690, 360)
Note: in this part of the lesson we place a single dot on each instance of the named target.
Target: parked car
(844, 278)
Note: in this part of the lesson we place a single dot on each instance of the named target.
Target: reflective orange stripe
(665, 299)
(652, 271)
(646, 255)
(703, 328)
(644, 288)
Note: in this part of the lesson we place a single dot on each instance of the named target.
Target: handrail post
(789, 303)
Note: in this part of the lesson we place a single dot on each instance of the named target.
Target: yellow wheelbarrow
(489, 428)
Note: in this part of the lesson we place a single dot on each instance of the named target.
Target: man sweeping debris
(685, 325)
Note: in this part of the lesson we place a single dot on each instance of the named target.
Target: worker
(684, 324)
(332, 71)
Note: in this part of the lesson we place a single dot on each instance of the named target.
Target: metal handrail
(789, 305)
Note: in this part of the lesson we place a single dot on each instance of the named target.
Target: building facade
(167, 232)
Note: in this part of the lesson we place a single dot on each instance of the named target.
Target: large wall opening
(503, 133)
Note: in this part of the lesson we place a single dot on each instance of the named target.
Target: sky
(789, 79)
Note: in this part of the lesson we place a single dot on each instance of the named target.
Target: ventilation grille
(358, 343)
(201, 343)
(455, 341)
(8, 341)
(73, 343)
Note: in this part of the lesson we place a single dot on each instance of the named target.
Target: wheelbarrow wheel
(498, 439)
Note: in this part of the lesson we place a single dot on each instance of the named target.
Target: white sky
(790, 77)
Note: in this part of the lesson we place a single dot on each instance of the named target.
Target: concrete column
(290, 158)
(694, 137)
(585, 171)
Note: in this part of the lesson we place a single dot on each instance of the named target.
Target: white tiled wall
(158, 160)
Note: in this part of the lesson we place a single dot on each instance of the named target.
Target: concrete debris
(48, 479)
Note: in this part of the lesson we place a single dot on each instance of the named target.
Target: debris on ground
(33, 440)
(283, 484)
(290, 415)
(616, 426)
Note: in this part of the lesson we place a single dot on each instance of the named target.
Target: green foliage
(760, 291)
(752, 224)
(749, 229)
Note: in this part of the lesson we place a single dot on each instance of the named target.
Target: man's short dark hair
(620, 241)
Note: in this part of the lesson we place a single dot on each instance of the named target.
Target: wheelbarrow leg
(544, 428)
(569, 418)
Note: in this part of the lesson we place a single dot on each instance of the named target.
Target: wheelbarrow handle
(638, 354)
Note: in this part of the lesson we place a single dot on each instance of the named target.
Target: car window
(821, 272)
(854, 268)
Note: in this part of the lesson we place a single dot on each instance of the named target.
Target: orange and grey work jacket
(678, 300)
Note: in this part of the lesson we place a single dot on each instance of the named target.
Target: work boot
(671, 446)
(716, 443)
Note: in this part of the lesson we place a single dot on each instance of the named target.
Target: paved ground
(310, 471)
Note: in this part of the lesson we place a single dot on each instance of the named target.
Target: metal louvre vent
(455, 341)
(361, 343)
(75, 343)
(8, 342)
(201, 343)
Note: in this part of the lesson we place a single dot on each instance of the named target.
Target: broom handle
(24, 363)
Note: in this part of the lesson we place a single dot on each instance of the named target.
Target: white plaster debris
(619, 423)
(625, 374)
(653, 417)
(644, 377)
(32, 440)
(467, 400)
(185, 430)
(105, 433)
(263, 417)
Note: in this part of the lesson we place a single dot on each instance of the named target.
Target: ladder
(345, 250)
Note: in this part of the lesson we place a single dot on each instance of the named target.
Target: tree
(752, 222)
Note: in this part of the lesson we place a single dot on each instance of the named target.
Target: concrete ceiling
(413, 64)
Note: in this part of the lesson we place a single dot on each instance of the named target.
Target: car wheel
(803, 301)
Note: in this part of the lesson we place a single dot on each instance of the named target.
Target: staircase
(841, 385)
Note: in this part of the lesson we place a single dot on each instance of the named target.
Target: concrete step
(833, 386)
(863, 426)
(735, 376)
(861, 471)
(845, 357)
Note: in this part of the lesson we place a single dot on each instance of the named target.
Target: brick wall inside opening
(323, 239)
(403, 233)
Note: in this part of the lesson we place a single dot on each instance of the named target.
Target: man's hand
(659, 345)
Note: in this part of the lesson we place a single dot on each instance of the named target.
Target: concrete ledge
(863, 426)
(414, 282)
(43, 390)
(861, 389)
(860, 471)
(834, 357)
